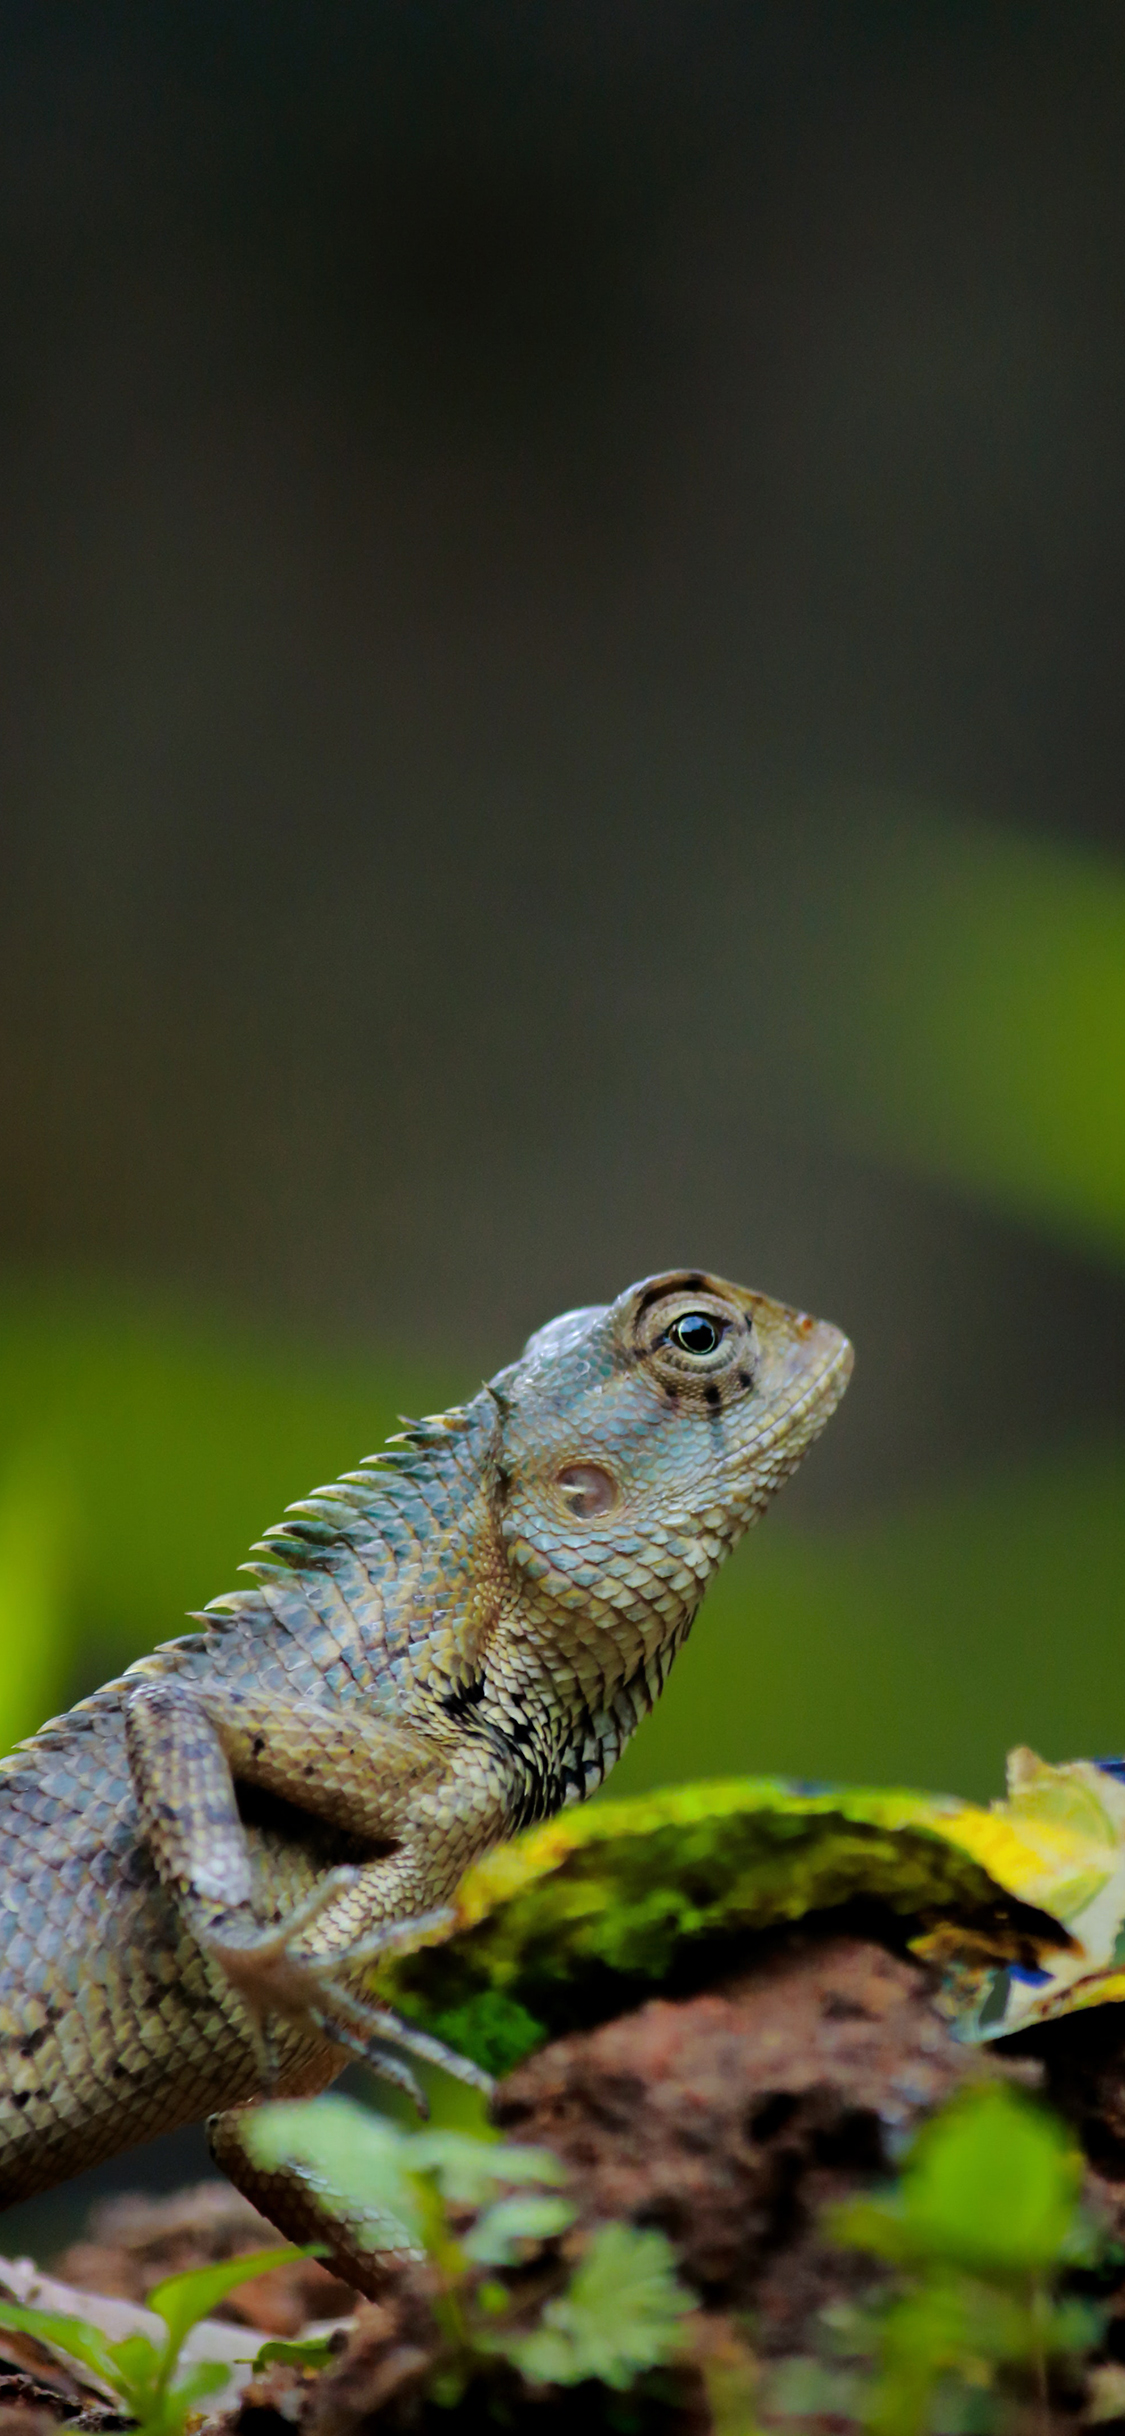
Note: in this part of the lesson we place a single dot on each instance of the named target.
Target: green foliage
(980, 2226)
(990, 2186)
(140, 2372)
(494, 2028)
(396, 2185)
(316, 2352)
(620, 2313)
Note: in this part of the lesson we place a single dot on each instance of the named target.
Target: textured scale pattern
(453, 1641)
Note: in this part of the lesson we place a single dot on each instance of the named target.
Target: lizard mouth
(822, 1392)
(805, 1398)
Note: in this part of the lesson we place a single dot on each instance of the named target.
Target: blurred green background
(561, 711)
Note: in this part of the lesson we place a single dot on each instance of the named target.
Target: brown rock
(729, 2119)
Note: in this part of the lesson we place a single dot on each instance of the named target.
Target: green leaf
(619, 2316)
(138, 2364)
(315, 2353)
(83, 2343)
(203, 2377)
(991, 2185)
(468, 2170)
(134, 2367)
(529, 2216)
(359, 2157)
(167, 2413)
(182, 2300)
(398, 2181)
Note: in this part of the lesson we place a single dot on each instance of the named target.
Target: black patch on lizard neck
(546, 1781)
(463, 1697)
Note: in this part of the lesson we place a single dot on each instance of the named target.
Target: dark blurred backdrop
(527, 532)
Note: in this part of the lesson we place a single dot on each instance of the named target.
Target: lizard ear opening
(587, 1490)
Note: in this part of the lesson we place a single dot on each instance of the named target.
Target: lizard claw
(272, 1978)
(366, 2029)
(379, 2058)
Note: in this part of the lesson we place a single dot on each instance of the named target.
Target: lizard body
(449, 1643)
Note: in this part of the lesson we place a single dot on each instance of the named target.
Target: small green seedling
(984, 2219)
(620, 2313)
(140, 2372)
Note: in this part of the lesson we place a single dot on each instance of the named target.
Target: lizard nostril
(587, 1489)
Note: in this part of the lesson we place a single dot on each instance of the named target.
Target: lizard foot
(365, 2029)
(274, 1978)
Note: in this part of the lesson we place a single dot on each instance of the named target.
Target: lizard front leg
(187, 1741)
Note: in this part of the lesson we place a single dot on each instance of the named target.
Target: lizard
(199, 1862)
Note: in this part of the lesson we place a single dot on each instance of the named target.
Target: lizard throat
(564, 1764)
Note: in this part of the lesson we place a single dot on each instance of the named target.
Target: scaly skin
(452, 1642)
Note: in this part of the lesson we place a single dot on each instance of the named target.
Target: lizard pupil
(695, 1333)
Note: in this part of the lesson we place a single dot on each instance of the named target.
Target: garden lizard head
(634, 1443)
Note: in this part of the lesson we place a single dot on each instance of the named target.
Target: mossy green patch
(585, 1917)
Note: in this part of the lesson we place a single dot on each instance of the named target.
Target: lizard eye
(587, 1490)
(696, 1332)
(695, 1341)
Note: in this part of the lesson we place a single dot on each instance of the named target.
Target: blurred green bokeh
(969, 1022)
(913, 1650)
(975, 1019)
